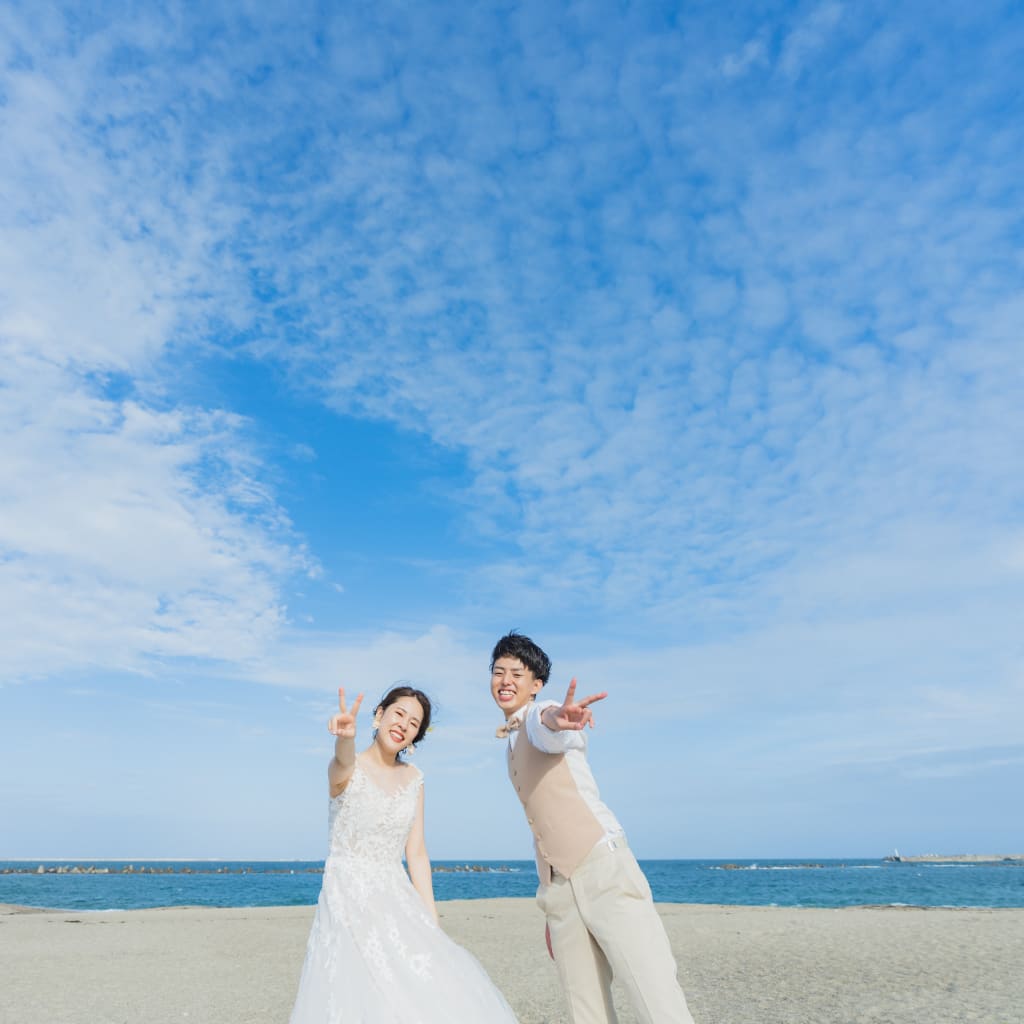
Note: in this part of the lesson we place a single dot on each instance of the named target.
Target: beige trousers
(603, 924)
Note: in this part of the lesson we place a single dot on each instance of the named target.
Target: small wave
(771, 867)
(946, 906)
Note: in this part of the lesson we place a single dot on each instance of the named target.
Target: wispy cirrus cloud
(679, 345)
(686, 337)
(118, 548)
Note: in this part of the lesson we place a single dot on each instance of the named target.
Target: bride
(376, 953)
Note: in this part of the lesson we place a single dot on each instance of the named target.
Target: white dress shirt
(572, 743)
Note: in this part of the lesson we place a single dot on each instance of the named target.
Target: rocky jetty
(189, 869)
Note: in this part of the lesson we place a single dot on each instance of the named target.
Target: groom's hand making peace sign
(573, 714)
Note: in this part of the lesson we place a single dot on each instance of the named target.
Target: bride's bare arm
(343, 726)
(418, 861)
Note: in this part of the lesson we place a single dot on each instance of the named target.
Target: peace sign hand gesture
(573, 714)
(343, 724)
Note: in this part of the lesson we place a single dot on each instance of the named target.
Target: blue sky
(336, 340)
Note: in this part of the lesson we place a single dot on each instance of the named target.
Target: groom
(601, 918)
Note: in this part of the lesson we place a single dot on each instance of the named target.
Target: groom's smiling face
(513, 685)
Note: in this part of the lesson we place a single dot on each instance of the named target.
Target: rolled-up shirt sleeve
(551, 742)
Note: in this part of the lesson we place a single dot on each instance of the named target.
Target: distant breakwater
(958, 858)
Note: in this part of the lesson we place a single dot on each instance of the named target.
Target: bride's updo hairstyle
(397, 692)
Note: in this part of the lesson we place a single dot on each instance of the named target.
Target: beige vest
(564, 828)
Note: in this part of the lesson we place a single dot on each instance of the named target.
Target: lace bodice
(369, 823)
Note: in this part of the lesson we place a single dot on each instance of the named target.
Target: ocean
(118, 885)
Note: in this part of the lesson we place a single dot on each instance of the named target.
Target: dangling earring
(410, 750)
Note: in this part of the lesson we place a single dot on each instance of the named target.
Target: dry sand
(738, 965)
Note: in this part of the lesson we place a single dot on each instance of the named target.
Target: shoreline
(16, 909)
(737, 964)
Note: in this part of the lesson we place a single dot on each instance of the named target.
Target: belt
(615, 842)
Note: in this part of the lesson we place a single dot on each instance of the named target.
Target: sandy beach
(738, 965)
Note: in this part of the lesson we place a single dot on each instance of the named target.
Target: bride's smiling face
(398, 724)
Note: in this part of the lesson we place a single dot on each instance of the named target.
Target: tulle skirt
(375, 956)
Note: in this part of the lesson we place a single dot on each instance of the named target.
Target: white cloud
(117, 548)
(808, 36)
(131, 527)
(751, 55)
(438, 660)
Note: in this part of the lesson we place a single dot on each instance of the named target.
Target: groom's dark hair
(515, 645)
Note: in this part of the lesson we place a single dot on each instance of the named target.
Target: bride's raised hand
(343, 724)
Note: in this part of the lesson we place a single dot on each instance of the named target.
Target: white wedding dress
(375, 955)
